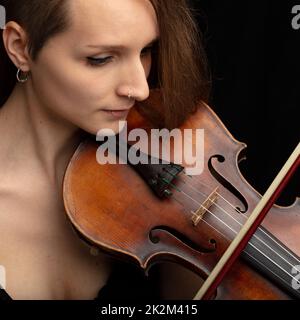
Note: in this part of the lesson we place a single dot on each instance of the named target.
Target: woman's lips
(117, 113)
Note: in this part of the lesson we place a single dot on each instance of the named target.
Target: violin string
(210, 225)
(270, 259)
(270, 270)
(198, 203)
(245, 216)
(265, 233)
(245, 252)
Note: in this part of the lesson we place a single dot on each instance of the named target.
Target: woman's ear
(15, 41)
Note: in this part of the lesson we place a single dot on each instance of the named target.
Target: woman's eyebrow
(119, 47)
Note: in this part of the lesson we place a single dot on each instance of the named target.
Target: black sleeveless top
(4, 296)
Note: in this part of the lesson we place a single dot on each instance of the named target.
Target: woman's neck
(33, 139)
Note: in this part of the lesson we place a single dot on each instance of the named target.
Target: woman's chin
(108, 129)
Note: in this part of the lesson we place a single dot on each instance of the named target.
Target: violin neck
(274, 260)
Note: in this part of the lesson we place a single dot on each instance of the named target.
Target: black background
(254, 57)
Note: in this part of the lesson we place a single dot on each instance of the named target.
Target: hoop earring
(22, 80)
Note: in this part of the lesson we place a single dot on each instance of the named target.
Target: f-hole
(226, 184)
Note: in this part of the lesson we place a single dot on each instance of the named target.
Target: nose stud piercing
(129, 94)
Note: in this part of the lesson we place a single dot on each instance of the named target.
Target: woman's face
(91, 67)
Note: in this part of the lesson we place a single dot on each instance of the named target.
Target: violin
(145, 214)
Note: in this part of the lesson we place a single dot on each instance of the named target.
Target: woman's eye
(99, 61)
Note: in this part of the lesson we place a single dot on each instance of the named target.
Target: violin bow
(240, 241)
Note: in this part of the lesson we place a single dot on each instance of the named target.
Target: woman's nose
(135, 85)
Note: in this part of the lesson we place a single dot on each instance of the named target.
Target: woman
(72, 67)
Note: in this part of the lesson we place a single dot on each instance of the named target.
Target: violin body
(113, 208)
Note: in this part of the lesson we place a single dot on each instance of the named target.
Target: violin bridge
(210, 200)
